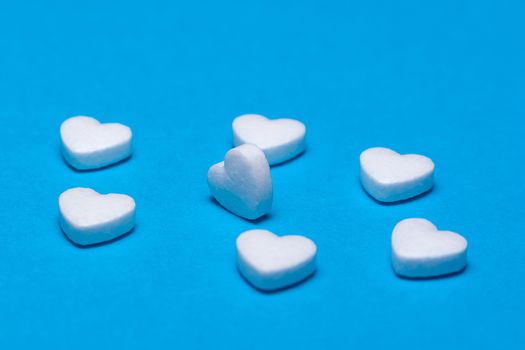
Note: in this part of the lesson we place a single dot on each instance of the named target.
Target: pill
(419, 249)
(242, 182)
(389, 176)
(88, 144)
(88, 217)
(270, 262)
(280, 139)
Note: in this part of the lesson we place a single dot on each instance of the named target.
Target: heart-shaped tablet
(388, 176)
(270, 262)
(420, 250)
(88, 144)
(88, 217)
(242, 183)
(280, 139)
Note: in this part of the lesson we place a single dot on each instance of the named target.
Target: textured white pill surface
(88, 144)
(420, 250)
(242, 182)
(270, 262)
(389, 176)
(88, 217)
(280, 139)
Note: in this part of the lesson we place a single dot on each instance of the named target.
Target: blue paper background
(444, 79)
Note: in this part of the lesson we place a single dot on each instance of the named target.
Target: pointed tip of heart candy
(81, 169)
(452, 274)
(97, 244)
(400, 201)
(261, 289)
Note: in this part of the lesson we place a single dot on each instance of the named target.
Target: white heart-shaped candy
(242, 183)
(88, 144)
(88, 217)
(420, 250)
(270, 262)
(388, 176)
(280, 139)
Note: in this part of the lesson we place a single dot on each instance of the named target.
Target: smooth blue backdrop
(444, 79)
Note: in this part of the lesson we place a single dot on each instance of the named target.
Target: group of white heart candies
(242, 184)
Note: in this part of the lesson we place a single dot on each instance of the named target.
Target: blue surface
(445, 80)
